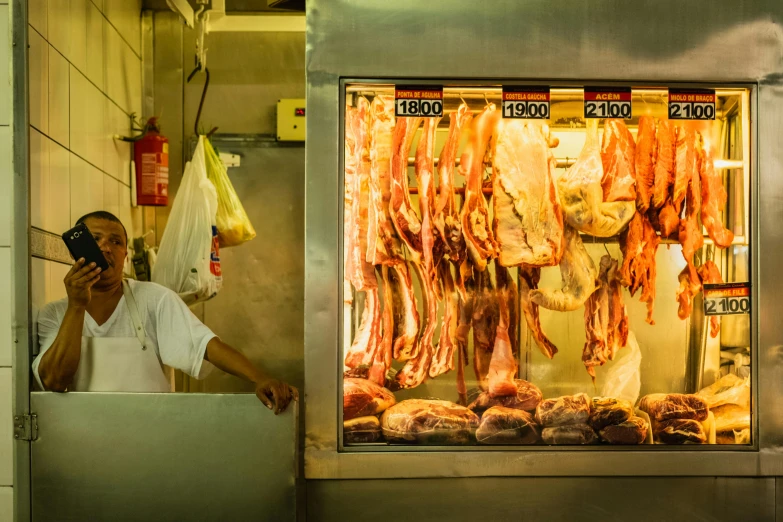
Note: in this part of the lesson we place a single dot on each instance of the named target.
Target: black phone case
(80, 243)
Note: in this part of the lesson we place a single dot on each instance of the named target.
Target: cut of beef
(362, 430)
(618, 152)
(607, 410)
(383, 245)
(569, 409)
(579, 276)
(475, 214)
(446, 217)
(429, 422)
(661, 406)
(528, 281)
(362, 398)
(679, 431)
(528, 219)
(501, 425)
(582, 195)
(527, 397)
(632, 431)
(575, 434)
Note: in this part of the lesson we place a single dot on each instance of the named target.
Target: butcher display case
(522, 272)
(571, 212)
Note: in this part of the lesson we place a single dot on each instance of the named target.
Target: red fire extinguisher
(151, 154)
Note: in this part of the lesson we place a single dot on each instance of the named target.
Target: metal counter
(663, 42)
(151, 456)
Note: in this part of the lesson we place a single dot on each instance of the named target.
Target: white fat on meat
(528, 217)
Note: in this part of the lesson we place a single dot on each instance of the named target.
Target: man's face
(110, 237)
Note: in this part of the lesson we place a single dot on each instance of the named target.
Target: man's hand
(78, 282)
(275, 394)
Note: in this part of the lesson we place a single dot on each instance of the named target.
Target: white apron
(120, 364)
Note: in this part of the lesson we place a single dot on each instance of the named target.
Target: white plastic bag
(188, 259)
(623, 380)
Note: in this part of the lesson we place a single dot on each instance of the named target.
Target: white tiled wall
(85, 81)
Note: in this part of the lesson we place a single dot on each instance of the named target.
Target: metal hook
(203, 97)
(607, 250)
(485, 99)
(462, 99)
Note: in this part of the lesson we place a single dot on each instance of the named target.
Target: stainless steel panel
(260, 307)
(21, 303)
(562, 499)
(733, 42)
(116, 456)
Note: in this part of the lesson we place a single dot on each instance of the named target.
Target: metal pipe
(562, 163)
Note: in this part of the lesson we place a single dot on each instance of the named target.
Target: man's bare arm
(273, 393)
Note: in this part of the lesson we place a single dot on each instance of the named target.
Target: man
(98, 338)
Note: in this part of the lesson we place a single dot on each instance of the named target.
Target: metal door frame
(20, 252)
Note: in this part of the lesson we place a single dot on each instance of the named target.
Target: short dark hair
(102, 214)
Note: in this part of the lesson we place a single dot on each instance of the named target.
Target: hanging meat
(639, 244)
(405, 219)
(405, 312)
(443, 359)
(359, 272)
(528, 218)
(475, 214)
(644, 162)
(582, 195)
(668, 216)
(528, 280)
(713, 196)
(578, 273)
(368, 338)
(383, 245)
(486, 316)
(687, 290)
(684, 163)
(709, 274)
(382, 359)
(618, 159)
(464, 325)
(690, 235)
(446, 215)
(503, 365)
(432, 247)
(416, 369)
(664, 162)
(606, 319)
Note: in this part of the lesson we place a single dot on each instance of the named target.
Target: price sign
(726, 298)
(424, 100)
(526, 102)
(608, 102)
(691, 104)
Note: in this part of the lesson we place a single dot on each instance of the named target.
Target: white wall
(85, 81)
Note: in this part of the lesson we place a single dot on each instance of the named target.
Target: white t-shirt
(178, 337)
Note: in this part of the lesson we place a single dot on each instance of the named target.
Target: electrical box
(291, 119)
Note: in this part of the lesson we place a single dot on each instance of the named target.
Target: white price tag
(608, 102)
(425, 100)
(526, 102)
(691, 104)
(726, 299)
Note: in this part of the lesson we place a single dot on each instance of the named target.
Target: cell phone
(80, 244)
